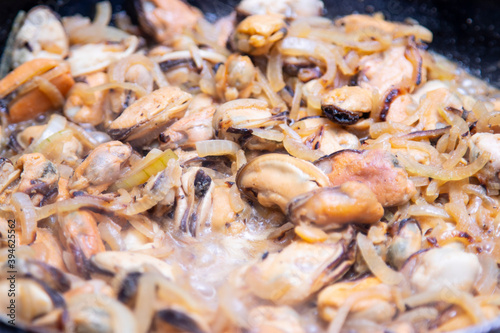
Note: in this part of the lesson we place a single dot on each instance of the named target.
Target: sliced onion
(420, 181)
(62, 68)
(56, 124)
(275, 70)
(377, 266)
(439, 173)
(195, 54)
(428, 210)
(480, 192)
(137, 176)
(419, 314)
(482, 114)
(49, 90)
(159, 77)
(110, 233)
(377, 129)
(137, 89)
(211, 56)
(143, 225)
(294, 46)
(295, 147)
(450, 295)
(94, 32)
(141, 205)
(425, 147)
(268, 134)
(241, 159)
(342, 313)
(85, 137)
(73, 204)
(216, 148)
(9, 179)
(49, 144)
(487, 280)
(274, 99)
(144, 304)
(25, 212)
(456, 156)
(297, 99)
(237, 204)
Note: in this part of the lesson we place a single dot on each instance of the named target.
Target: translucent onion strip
(110, 233)
(94, 32)
(456, 155)
(294, 46)
(216, 148)
(138, 176)
(423, 313)
(377, 266)
(295, 147)
(272, 135)
(83, 136)
(56, 124)
(54, 143)
(26, 215)
(275, 100)
(9, 179)
(482, 114)
(139, 91)
(211, 56)
(275, 70)
(297, 98)
(428, 210)
(450, 295)
(376, 292)
(70, 205)
(49, 90)
(439, 173)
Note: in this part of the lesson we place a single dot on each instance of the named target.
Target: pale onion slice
(377, 266)
(439, 173)
(137, 176)
(26, 214)
(110, 233)
(211, 56)
(450, 295)
(295, 147)
(418, 314)
(50, 91)
(216, 148)
(482, 114)
(428, 210)
(268, 134)
(339, 320)
(275, 70)
(70, 205)
(86, 138)
(56, 124)
(53, 142)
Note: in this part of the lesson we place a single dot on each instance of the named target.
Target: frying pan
(466, 31)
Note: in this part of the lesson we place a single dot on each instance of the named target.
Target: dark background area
(467, 31)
